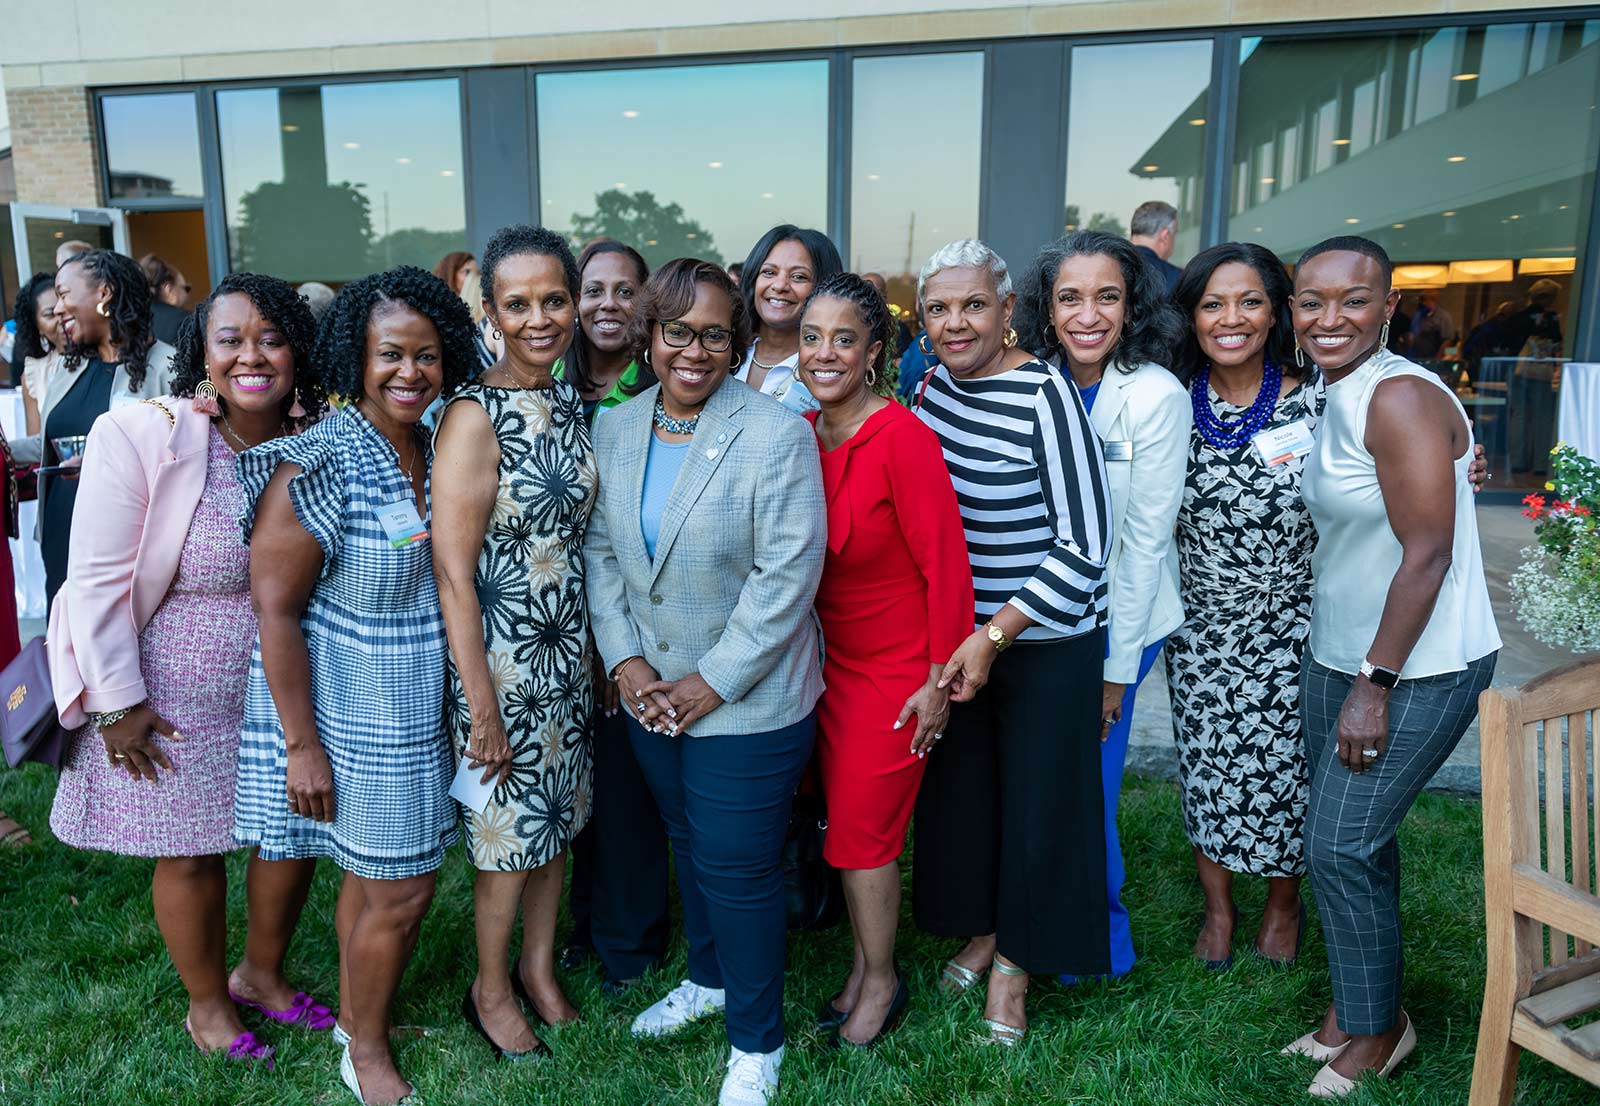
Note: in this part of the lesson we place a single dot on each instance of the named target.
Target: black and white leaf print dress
(1244, 563)
(529, 583)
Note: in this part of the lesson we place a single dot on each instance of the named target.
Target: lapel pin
(711, 454)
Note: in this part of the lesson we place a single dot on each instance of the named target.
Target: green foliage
(1100, 220)
(1557, 587)
(305, 231)
(94, 1011)
(415, 246)
(659, 231)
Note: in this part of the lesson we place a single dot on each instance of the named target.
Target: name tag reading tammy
(401, 524)
(1284, 443)
(1117, 451)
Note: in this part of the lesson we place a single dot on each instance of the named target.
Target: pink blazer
(142, 478)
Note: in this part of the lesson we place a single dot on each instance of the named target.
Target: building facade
(350, 138)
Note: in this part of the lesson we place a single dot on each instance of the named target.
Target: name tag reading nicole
(400, 523)
(1284, 443)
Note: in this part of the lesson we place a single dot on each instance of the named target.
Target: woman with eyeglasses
(702, 572)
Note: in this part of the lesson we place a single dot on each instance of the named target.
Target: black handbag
(812, 891)
(29, 727)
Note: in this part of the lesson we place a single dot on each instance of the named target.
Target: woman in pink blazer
(150, 641)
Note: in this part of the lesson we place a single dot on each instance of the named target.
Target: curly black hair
(341, 349)
(1150, 325)
(520, 238)
(128, 312)
(25, 313)
(279, 305)
(874, 315)
(1187, 358)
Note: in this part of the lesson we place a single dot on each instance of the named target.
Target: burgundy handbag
(29, 727)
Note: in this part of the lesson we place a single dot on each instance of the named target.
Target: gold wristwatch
(1002, 642)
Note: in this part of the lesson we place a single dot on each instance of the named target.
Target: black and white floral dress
(1244, 564)
(536, 627)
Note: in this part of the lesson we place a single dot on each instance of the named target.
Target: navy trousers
(726, 802)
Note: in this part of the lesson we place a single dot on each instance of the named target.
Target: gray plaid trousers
(1351, 822)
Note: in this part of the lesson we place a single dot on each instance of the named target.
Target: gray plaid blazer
(737, 562)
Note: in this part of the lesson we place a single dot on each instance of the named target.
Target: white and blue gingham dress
(377, 647)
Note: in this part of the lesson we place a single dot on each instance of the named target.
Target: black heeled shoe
(469, 1012)
(830, 1017)
(1226, 962)
(891, 1020)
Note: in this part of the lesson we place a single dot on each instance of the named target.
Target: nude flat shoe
(1310, 1046)
(1330, 1084)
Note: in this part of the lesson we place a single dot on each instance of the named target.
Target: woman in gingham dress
(343, 753)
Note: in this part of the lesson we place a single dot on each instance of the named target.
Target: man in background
(1153, 230)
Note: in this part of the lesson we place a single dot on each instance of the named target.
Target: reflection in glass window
(1477, 180)
(320, 183)
(684, 160)
(1137, 138)
(900, 209)
(152, 146)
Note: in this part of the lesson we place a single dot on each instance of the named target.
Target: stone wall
(53, 146)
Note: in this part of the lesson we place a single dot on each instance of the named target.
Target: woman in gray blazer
(704, 552)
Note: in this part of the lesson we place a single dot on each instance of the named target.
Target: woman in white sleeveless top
(1403, 637)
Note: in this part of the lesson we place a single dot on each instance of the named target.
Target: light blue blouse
(660, 474)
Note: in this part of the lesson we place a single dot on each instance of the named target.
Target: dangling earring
(297, 409)
(205, 398)
(496, 332)
(1299, 356)
(1010, 340)
(922, 344)
(1383, 339)
(100, 309)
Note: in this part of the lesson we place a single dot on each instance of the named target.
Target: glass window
(1483, 203)
(1136, 131)
(684, 160)
(320, 184)
(152, 146)
(901, 208)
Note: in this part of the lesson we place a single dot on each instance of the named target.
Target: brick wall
(53, 146)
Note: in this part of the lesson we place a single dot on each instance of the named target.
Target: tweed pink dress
(195, 658)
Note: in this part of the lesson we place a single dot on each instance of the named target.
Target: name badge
(401, 524)
(1284, 443)
(1118, 451)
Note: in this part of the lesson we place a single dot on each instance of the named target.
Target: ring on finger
(120, 756)
(1369, 754)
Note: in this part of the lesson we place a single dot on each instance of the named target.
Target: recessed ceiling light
(447, 172)
(1516, 216)
(1398, 226)
(352, 145)
(691, 234)
(403, 160)
(1352, 221)
(1258, 230)
(619, 185)
(630, 114)
(1563, 207)
(650, 242)
(1447, 214)
(713, 165)
(1341, 142)
(1465, 77)
(1197, 122)
(766, 195)
(1269, 180)
(1456, 159)
(291, 127)
(1151, 168)
(872, 176)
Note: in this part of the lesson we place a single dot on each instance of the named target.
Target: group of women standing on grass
(602, 589)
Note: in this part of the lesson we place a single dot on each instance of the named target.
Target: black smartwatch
(1385, 678)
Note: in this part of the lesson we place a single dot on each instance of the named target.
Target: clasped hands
(664, 706)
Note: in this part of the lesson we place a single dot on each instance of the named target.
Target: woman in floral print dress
(514, 480)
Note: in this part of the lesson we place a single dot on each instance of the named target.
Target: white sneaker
(752, 1078)
(685, 1003)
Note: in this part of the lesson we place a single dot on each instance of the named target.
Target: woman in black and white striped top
(1010, 799)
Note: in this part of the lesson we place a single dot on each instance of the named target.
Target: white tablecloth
(1579, 421)
(26, 563)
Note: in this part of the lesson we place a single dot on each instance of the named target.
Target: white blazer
(1143, 418)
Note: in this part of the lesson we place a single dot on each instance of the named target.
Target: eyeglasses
(713, 339)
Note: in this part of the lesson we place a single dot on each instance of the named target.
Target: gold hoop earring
(100, 309)
(872, 376)
(922, 344)
(1010, 340)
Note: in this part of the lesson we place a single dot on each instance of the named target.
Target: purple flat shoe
(244, 1047)
(304, 1010)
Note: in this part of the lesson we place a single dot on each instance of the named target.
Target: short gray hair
(966, 253)
(1151, 218)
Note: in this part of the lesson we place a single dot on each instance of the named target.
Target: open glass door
(38, 230)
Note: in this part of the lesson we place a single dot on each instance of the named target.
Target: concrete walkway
(1504, 533)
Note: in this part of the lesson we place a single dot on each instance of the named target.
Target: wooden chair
(1538, 878)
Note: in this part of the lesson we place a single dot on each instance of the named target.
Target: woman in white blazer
(1092, 307)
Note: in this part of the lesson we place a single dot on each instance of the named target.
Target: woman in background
(783, 268)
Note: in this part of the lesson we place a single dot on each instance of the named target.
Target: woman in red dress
(895, 601)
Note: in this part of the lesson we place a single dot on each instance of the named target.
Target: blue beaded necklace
(1229, 436)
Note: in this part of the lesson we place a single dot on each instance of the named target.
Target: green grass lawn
(91, 1011)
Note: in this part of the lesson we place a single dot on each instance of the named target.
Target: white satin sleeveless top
(1358, 554)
